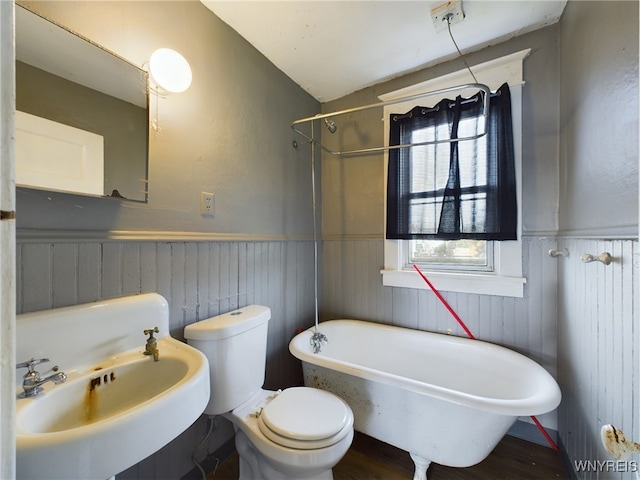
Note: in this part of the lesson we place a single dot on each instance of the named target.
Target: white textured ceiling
(333, 48)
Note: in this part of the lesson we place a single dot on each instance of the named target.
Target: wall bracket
(451, 10)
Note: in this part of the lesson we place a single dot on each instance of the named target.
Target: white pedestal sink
(118, 405)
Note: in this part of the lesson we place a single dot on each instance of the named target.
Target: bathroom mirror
(71, 84)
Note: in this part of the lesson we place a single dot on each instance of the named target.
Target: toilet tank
(235, 344)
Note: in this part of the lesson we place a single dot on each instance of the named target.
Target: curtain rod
(485, 113)
(473, 99)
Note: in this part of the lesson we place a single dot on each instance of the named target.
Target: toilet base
(263, 459)
(255, 466)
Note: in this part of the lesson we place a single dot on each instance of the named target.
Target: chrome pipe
(324, 116)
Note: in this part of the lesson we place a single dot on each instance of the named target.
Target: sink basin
(106, 392)
(118, 405)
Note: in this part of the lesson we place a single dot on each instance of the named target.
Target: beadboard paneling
(597, 317)
(199, 280)
(352, 288)
(598, 349)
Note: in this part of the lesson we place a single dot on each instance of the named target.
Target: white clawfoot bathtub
(442, 398)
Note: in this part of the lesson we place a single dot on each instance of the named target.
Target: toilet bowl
(296, 433)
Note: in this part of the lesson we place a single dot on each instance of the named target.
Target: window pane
(428, 171)
(449, 252)
(429, 164)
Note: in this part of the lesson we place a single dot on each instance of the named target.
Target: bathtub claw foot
(421, 464)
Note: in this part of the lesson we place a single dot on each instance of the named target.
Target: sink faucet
(151, 348)
(32, 382)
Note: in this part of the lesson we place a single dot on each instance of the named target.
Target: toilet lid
(305, 418)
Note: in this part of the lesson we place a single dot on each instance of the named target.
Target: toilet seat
(305, 418)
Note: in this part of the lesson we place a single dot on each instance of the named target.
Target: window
(468, 265)
(471, 255)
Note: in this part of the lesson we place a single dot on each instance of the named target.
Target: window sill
(479, 283)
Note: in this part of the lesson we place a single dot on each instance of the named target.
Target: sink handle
(31, 364)
(151, 331)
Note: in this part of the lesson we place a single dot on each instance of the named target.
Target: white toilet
(297, 433)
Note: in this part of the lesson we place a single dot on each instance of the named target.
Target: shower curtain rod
(485, 113)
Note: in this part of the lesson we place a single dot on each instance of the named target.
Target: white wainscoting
(198, 279)
(598, 349)
(578, 320)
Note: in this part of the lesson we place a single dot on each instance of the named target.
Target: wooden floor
(369, 459)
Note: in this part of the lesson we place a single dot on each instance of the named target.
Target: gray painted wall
(228, 134)
(598, 357)
(353, 187)
(599, 120)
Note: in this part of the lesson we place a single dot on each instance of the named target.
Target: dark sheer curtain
(457, 190)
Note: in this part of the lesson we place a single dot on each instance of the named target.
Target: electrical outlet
(451, 10)
(207, 204)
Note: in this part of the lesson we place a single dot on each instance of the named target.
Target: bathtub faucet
(317, 340)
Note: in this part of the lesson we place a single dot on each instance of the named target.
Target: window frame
(506, 278)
